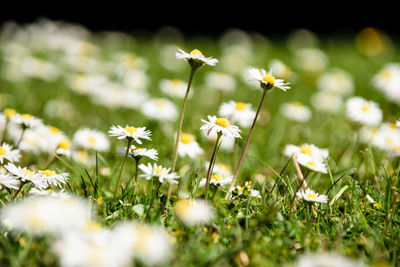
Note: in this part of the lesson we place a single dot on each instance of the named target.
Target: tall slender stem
(246, 144)
(178, 134)
(212, 163)
(3, 137)
(122, 166)
(21, 137)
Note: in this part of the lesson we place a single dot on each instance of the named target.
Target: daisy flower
(239, 190)
(220, 168)
(193, 212)
(311, 59)
(53, 178)
(311, 196)
(91, 139)
(159, 172)
(266, 80)
(27, 175)
(312, 163)
(138, 152)
(306, 149)
(64, 147)
(195, 57)
(327, 260)
(296, 111)
(7, 153)
(130, 132)
(220, 125)
(8, 181)
(280, 69)
(188, 146)
(10, 113)
(174, 88)
(238, 112)
(363, 111)
(336, 81)
(83, 157)
(388, 81)
(220, 81)
(217, 179)
(326, 102)
(160, 109)
(27, 120)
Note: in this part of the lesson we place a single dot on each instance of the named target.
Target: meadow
(91, 173)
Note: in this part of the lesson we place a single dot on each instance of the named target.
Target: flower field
(158, 149)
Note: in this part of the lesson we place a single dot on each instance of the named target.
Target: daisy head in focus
(195, 58)
(130, 133)
(159, 172)
(266, 80)
(238, 112)
(7, 153)
(139, 152)
(363, 111)
(221, 126)
(193, 212)
(296, 111)
(217, 180)
(311, 196)
(188, 146)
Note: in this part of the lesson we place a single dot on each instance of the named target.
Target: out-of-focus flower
(8, 181)
(371, 42)
(188, 146)
(326, 102)
(220, 81)
(326, 260)
(7, 153)
(160, 109)
(363, 111)
(193, 212)
(311, 59)
(174, 88)
(217, 179)
(238, 112)
(91, 139)
(336, 81)
(296, 111)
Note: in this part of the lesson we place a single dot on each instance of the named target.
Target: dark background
(213, 17)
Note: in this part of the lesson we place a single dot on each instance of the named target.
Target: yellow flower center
(222, 122)
(387, 74)
(26, 116)
(9, 112)
(92, 140)
(82, 156)
(130, 129)
(217, 177)
(159, 170)
(48, 172)
(176, 82)
(305, 149)
(160, 103)
(269, 79)
(311, 196)
(92, 227)
(240, 106)
(54, 130)
(196, 52)
(311, 164)
(2, 151)
(365, 107)
(28, 173)
(297, 104)
(186, 138)
(389, 141)
(223, 166)
(64, 144)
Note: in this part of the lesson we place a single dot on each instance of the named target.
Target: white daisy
(217, 179)
(306, 149)
(49, 192)
(363, 111)
(238, 112)
(336, 81)
(247, 187)
(9, 181)
(137, 152)
(130, 132)
(326, 102)
(188, 146)
(193, 212)
(27, 175)
(54, 178)
(311, 59)
(160, 109)
(83, 157)
(195, 57)
(387, 137)
(227, 143)
(280, 69)
(312, 163)
(388, 81)
(219, 168)
(64, 147)
(266, 80)
(27, 120)
(311, 196)
(327, 260)
(220, 81)
(7, 153)
(296, 111)
(91, 139)
(174, 88)
(220, 125)
(159, 172)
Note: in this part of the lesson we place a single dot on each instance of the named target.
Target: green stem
(21, 137)
(212, 160)
(3, 137)
(122, 166)
(247, 143)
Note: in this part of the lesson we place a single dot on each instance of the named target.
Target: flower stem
(3, 137)
(122, 166)
(212, 163)
(178, 134)
(135, 177)
(21, 137)
(246, 144)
